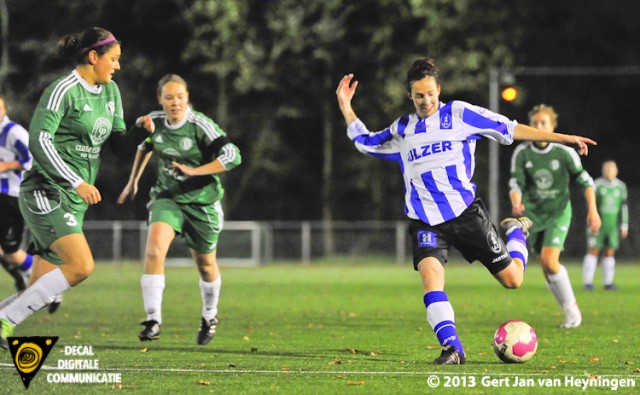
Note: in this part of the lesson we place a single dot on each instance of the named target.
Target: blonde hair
(170, 78)
(553, 115)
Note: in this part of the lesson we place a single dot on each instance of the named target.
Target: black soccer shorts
(11, 224)
(472, 233)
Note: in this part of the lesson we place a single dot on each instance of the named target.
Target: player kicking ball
(434, 147)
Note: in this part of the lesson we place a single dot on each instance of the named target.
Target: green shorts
(199, 224)
(49, 218)
(607, 236)
(549, 230)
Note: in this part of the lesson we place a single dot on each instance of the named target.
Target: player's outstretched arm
(345, 91)
(131, 189)
(524, 132)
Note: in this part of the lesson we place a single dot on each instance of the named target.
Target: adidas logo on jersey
(87, 108)
(158, 139)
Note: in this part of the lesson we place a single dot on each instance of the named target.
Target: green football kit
(543, 176)
(71, 122)
(191, 205)
(611, 200)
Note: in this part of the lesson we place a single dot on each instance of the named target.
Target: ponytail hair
(74, 48)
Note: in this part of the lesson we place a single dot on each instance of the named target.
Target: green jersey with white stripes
(71, 123)
(611, 199)
(195, 141)
(543, 176)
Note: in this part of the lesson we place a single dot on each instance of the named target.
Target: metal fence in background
(249, 243)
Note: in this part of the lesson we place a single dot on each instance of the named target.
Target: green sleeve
(44, 124)
(578, 173)
(517, 183)
(624, 209)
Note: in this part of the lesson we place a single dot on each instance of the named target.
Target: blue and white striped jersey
(14, 146)
(436, 155)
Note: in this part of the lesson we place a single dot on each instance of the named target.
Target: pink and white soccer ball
(515, 342)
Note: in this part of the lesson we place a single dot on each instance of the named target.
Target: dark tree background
(266, 71)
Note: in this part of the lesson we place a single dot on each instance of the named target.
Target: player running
(74, 117)
(611, 199)
(15, 158)
(434, 147)
(192, 150)
(540, 176)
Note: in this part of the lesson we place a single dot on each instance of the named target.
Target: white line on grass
(318, 372)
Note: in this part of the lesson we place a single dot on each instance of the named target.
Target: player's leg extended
(77, 264)
(559, 284)
(152, 280)
(515, 232)
(210, 284)
(440, 313)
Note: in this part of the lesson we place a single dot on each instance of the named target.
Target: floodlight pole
(494, 151)
(496, 74)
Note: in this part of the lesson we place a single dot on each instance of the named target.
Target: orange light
(509, 93)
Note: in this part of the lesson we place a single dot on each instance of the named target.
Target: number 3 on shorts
(71, 219)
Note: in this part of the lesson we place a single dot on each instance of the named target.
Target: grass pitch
(335, 327)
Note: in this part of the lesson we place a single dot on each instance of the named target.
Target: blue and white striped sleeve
(21, 146)
(480, 121)
(380, 144)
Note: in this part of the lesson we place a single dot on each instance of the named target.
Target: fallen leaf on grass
(615, 340)
(628, 363)
(254, 349)
(591, 376)
(594, 359)
(117, 386)
(144, 350)
(285, 369)
(336, 361)
(246, 338)
(361, 382)
(203, 382)
(231, 365)
(636, 370)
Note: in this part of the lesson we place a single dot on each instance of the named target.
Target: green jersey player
(191, 150)
(541, 173)
(611, 198)
(74, 117)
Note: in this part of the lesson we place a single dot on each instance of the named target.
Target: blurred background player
(541, 173)
(15, 158)
(611, 199)
(434, 147)
(192, 150)
(74, 117)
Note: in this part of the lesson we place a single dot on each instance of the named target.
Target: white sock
(589, 268)
(7, 301)
(152, 289)
(210, 292)
(608, 269)
(35, 297)
(560, 286)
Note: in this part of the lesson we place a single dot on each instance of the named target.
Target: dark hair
(74, 48)
(171, 78)
(420, 69)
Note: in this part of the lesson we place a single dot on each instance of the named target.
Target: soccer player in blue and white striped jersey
(435, 148)
(15, 158)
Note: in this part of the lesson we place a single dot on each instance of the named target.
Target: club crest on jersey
(426, 238)
(186, 143)
(493, 242)
(101, 130)
(111, 107)
(445, 120)
(543, 179)
(555, 165)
